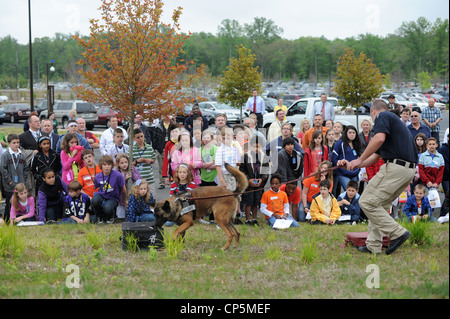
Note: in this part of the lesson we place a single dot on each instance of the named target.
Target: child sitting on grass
(324, 207)
(275, 203)
(111, 185)
(140, 203)
(348, 201)
(51, 196)
(418, 205)
(77, 205)
(22, 205)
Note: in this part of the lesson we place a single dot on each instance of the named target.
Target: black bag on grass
(141, 235)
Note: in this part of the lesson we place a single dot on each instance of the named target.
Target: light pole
(50, 90)
(31, 58)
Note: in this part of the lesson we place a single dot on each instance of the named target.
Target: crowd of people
(292, 176)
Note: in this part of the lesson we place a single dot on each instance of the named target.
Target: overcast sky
(330, 18)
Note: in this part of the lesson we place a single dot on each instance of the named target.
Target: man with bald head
(431, 117)
(416, 127)
(47, 130)
(93, 141)
(29, 139)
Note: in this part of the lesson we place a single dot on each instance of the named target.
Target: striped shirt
(146, 170)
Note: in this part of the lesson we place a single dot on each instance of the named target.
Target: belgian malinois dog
(223, 208)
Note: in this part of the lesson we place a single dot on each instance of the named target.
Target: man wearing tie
(324, 108)
(255, 104)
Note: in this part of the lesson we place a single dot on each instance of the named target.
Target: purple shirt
(110, 186)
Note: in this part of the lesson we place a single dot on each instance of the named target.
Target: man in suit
(29, 138)
(47, 130)
(29, 147)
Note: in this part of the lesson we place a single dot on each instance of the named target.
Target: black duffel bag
(141, 235)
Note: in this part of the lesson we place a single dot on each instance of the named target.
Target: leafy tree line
(415, 47)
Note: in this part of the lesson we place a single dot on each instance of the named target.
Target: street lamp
(50, 89)
(31, 57)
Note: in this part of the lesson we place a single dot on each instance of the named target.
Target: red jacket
(308, 167)
(166, 169)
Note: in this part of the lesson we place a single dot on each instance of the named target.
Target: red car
(105, 113)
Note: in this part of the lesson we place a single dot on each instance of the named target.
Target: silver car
(85, 110)
(216, 108)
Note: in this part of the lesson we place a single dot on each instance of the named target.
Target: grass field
(307, 262)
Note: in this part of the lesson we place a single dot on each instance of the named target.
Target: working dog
(223, 207)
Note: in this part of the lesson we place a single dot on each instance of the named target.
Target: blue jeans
(272, 220)
(343, 180)
(104, 209)
(301, 214)
(148, 217)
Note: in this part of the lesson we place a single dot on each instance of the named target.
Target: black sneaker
(248, 222)
(396, 243)
(255, 222)
(161, 187)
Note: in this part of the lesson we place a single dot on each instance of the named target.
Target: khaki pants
(377, 198)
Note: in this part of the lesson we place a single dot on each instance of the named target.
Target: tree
(424, 80)
(358, 79)
(240, 78)
(131, 61)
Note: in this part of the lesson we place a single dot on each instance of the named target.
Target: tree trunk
(130, 152)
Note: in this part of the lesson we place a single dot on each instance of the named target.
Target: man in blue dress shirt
(255, 104)
(324, 108)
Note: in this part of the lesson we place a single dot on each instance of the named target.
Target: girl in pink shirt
(188, 154)
(71, 160)
(22, 205)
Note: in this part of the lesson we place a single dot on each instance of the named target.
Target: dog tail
(241, 179)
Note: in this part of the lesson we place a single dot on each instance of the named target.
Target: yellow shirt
(284, 108)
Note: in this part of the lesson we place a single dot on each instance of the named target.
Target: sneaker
(249, 222)
(396, 243)
(110, 221)
(201, 220)
(255, 222)
(161, 187)
(237, 221)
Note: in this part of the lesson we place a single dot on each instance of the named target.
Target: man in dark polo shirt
(393, 142)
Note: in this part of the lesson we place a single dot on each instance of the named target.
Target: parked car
(288, 99)
(41, 106)
(2, 115)
(213, 109)
(85, 110)
(16, 112)
(305, 108)
(3, 98)
(105, 113)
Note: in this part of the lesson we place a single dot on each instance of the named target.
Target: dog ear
(166, 205)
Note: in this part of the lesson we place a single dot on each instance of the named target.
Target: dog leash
(259, 189)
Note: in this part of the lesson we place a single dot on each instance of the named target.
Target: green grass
(306, 262)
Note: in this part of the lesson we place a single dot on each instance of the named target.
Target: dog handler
(393, 142)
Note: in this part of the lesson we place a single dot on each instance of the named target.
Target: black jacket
(39, 164)
(160, 136)
(284, 166)
(247, 167)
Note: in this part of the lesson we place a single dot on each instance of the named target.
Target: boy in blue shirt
(348, 201)
(418, 205)
(77, 206)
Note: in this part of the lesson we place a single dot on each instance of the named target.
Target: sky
(329, 18)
